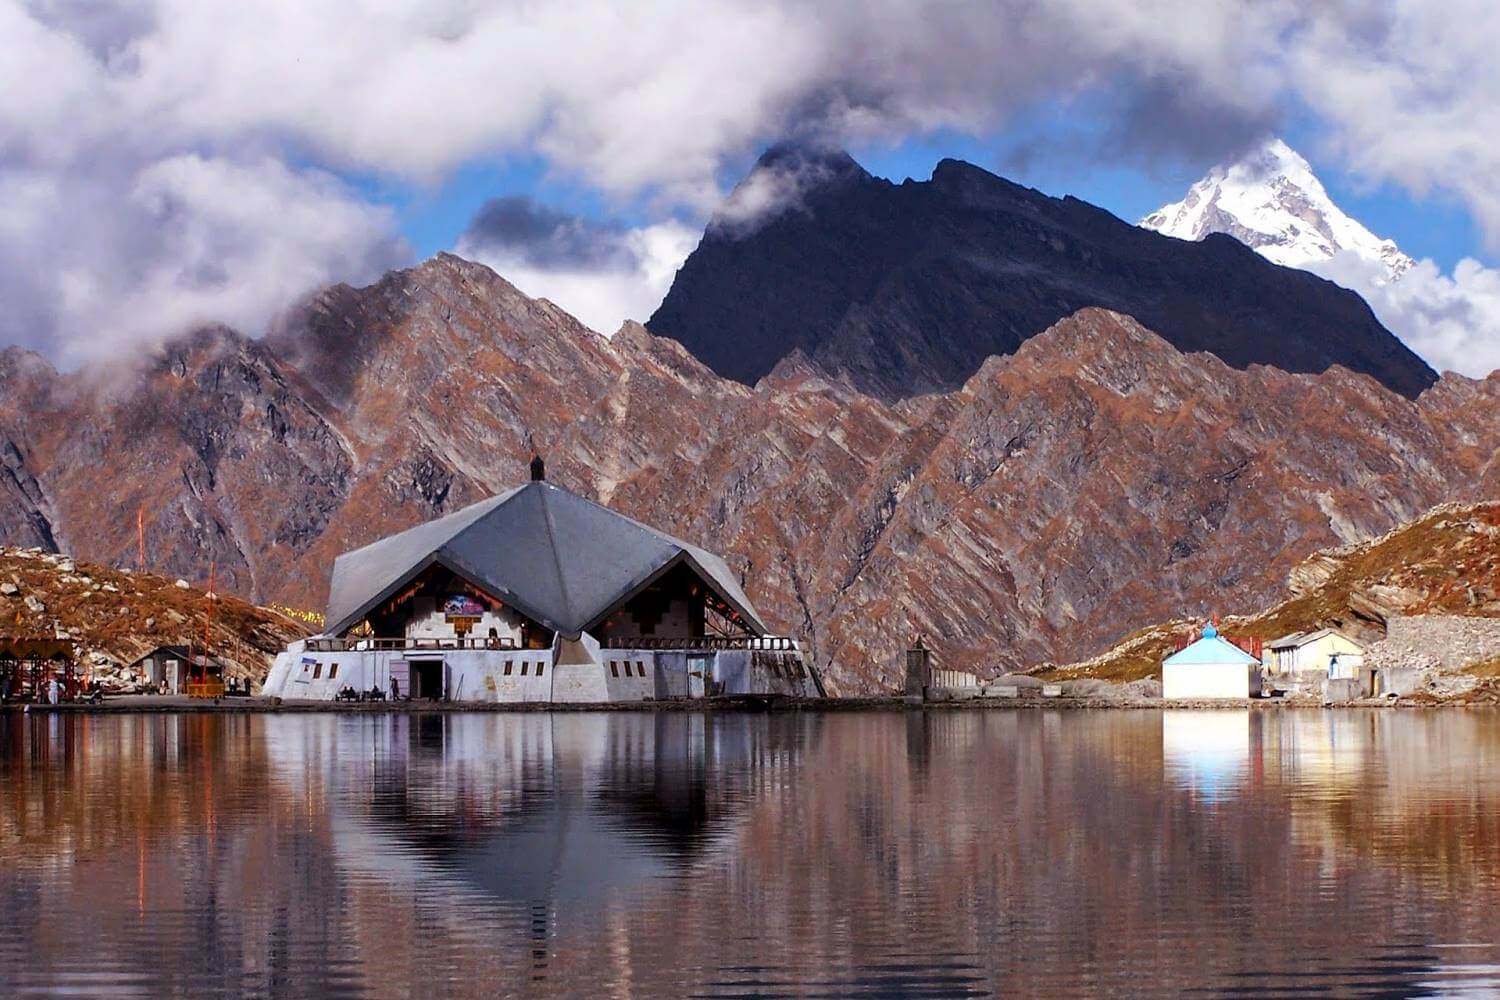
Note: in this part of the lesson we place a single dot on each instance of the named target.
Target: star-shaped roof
(563, 561)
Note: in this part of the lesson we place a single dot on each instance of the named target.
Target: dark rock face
(905, 289)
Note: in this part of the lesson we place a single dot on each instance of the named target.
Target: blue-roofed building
(1210, 668)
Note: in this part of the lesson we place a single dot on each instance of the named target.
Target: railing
(704, 642)
(953, 679)
(337, 644)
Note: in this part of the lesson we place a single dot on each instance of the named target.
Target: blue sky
(433, 218)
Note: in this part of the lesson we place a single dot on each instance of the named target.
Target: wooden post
(918, 672)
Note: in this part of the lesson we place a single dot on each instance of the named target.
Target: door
(698, 667)
(427, 679)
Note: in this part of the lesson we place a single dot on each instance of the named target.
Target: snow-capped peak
(1272, 202)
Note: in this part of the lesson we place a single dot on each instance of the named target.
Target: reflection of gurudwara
(538, 595)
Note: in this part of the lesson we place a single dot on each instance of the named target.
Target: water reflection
(1208, 751)
(939, 854)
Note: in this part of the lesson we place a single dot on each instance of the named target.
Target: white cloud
(94, 261)
(1452, 321)
(638, 101)
(626, 281)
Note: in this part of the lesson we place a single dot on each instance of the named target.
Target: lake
(881, 853)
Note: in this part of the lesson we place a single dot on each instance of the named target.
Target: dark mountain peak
(907, 289)
(789, 178)
(828, 162)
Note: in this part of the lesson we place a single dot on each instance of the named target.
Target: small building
(170, 668)
(1326, 649)
(1210, 668)
(538, 595)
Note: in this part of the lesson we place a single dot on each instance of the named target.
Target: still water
(1018, 853)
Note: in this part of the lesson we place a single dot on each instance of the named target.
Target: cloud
(645, 103)
(1410, 92)
(1452, 321)
(601, 272)
(94, 261)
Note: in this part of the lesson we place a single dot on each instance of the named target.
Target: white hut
(1211, 667)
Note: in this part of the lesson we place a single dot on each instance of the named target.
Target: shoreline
(181, 705)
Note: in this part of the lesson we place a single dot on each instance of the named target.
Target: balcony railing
(777, 643)
(348, 644)
(337, 644)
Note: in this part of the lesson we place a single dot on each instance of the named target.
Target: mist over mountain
(1271, 201)
(903, 289)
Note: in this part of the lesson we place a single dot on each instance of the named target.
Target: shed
(169, 665)
(1325, 649)
(1211, 667)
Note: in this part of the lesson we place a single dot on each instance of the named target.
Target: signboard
(464, 605)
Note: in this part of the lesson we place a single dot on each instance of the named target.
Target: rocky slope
(1096, 480)
(115, 616)
(1446, 562)
(905, 289)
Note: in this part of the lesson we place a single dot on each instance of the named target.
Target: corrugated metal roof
(1210, 650)
(559, 559)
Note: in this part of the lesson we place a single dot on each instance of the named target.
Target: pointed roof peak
(560, 559)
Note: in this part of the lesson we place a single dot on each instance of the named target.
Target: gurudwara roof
(561, 560)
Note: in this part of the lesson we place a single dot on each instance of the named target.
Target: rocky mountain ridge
(905, 289)
(1094, 481)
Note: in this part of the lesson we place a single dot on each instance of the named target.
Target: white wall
(581, 673)
(1314, 655)
(1210, 680)
(428, 622)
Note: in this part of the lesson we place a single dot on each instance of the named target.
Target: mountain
(1094, 481)
(904, 289)
(1273, 203)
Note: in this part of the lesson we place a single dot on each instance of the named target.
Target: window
(333, 670)
(640, 668)
(614, 668)
(540, 667)
(523, 668)
(317, 670)
(508, 665)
